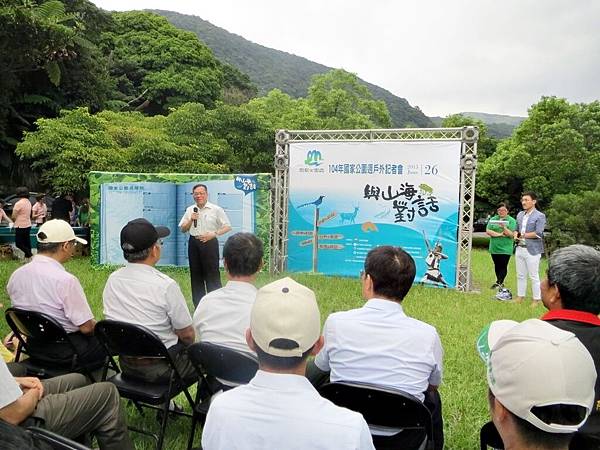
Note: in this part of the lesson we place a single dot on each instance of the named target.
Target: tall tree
(554, 151)
(343, 102)
(158, 66)
(47, 61)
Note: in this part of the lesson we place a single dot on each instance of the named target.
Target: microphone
(195, 221)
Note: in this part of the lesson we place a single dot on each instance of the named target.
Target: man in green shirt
(500, 230)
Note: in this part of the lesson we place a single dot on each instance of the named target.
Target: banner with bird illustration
(347, 197)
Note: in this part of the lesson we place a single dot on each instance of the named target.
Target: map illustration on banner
(155, 197)
(347, 197)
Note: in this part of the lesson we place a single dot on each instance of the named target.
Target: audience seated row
(377, 344)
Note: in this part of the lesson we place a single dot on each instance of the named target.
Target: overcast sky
(445, 56)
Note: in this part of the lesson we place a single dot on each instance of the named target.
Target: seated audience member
(140, 294)
(279, 408)
(571, 292)
(66, 405)
(43, 285)
(541, 383)
(379, 343)
(223, 316)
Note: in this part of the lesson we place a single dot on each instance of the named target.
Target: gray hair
(136, 256)
(576, 272)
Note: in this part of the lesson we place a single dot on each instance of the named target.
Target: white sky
(445, 56)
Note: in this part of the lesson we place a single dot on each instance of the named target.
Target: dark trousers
(500, 266)
(91, 353)
(159, 371)
(22, 240)
(204, 267)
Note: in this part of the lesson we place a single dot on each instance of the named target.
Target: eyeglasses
(363, 274)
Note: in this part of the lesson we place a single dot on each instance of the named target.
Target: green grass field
(458, 318)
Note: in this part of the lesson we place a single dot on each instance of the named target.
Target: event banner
(163, 199)
(347, 197)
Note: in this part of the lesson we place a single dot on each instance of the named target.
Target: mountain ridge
(269, 68)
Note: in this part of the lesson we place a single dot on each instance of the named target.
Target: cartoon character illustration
(349, 216)
(317, 202)
(433, 275)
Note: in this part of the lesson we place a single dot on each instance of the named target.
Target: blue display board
(354, 196)
(163, 204)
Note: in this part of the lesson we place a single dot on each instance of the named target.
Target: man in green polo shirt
(500, 230)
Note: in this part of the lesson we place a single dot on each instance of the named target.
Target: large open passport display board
(117, 198)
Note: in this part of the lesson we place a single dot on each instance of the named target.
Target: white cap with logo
(535, 364)
(285, 309)
(55, 231)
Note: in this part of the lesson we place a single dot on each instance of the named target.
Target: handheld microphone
(195, 221)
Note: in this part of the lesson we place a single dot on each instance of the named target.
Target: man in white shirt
(205, 222)
(223, 316)
(45, 286)
(66, 405)
(379, 343)
(279, 408)
(138, 293)
(529, 237)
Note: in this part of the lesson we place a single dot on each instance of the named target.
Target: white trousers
(528, 264)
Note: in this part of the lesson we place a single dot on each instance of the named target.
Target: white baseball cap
(534, 363)
(57, 230)
(285, 309)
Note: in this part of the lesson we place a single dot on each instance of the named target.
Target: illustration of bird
(317, 202)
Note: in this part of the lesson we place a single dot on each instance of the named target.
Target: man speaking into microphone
(205, 222)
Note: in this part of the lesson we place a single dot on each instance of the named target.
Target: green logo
(313, 158)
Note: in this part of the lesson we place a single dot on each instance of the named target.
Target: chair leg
(194, 418)
(192, 433)
(163, 425)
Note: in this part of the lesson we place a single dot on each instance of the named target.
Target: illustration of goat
(349, 216)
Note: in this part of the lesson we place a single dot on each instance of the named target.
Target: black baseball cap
(139, 234)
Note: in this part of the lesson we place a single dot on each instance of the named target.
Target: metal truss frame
(468, 136)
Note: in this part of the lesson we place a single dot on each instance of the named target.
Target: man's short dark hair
(501, 205)
(243, 253)
(559, 414)
(281, 362)
(575, 270)
(392, 271)
(530, 194)
(133, 257)
(200, 185)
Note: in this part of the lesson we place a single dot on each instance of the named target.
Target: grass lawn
(458, 318)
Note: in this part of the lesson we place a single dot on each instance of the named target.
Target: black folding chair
(396, 419)
(135, 341)
(489, 437)
(55, 441)
(32, 326)
(219, 368)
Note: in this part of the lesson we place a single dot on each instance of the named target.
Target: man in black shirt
(571, 292)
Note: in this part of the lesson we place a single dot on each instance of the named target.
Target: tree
(342, 102)
(159, 66)
(65, 149)
(554, 151)
(47, 61)
(486, 145)
(280, 111)
(575, 219)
